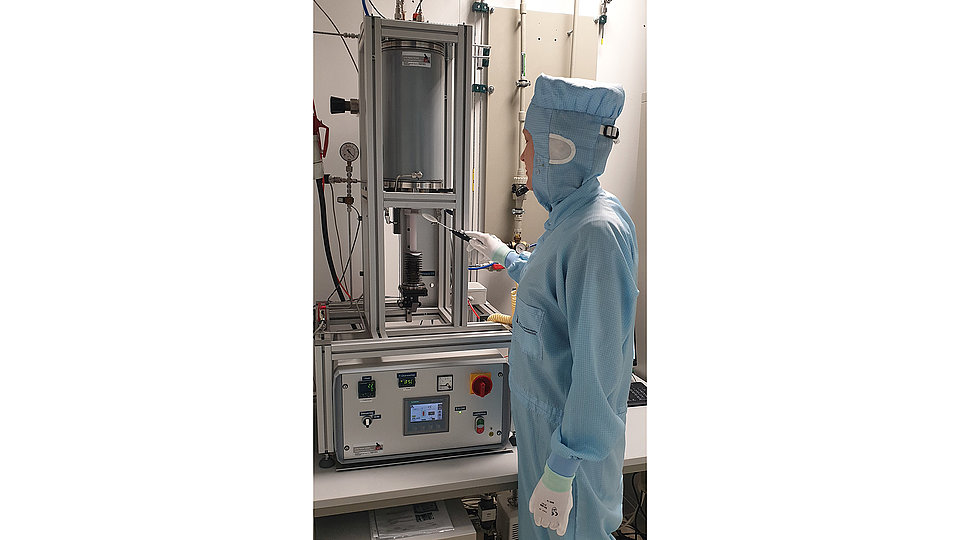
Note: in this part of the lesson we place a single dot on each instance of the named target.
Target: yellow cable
(506, 319)
(501, 318)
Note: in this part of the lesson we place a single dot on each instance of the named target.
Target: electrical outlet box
(477, 292)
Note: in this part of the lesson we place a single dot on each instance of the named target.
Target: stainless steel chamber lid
(410, 45)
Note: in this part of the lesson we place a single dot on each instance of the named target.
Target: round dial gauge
(349, 151)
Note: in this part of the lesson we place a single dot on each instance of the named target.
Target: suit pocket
(527, 334)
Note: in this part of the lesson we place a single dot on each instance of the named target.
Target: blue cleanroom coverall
(572, 348)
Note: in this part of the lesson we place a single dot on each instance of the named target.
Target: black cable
(341, 37)
(349, 262)
(326, 242)
(349, 255)
(333, 201)
(640, 510)
(375, 9)
(633, 518)
(642, 499)
(328, 33)
(356, 236)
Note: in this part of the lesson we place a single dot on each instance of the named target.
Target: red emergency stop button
(481, 384)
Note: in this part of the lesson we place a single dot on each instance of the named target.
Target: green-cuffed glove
(552, 500)
(489, 246)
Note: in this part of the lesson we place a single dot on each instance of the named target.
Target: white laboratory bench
(339, 492)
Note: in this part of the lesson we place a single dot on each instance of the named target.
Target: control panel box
(433, 404)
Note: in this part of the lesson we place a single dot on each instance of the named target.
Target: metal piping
(478, 217)
(573, 35)
(522, 83)
(521, 113)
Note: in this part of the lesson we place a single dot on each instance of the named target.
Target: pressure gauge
(349, 151)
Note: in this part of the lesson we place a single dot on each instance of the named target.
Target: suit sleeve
(516, 264)
(599, 301)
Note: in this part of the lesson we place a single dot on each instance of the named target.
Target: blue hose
(480, 267)
(365, 12)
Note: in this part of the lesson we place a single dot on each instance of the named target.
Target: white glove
(489, 246)
(551, 506)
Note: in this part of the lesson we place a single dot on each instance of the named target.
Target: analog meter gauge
(349, 151)
(444, 383)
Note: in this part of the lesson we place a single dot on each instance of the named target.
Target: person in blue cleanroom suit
(572, 348)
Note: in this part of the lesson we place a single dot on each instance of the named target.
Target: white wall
(548, 51)
(621, 58)
(625, 175)
(587, 7)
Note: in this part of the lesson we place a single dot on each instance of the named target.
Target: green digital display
(366, 389)
(407, 379)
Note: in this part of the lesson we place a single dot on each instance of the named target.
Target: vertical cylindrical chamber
(413, 108)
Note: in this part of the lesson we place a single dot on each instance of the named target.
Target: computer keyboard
(638, 395)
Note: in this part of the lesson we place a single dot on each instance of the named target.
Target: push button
(479, 425)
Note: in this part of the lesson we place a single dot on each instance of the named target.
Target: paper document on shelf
(411, 520)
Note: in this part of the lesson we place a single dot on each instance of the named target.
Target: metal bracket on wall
(481, 7)
(483, 88)
(482, 53)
